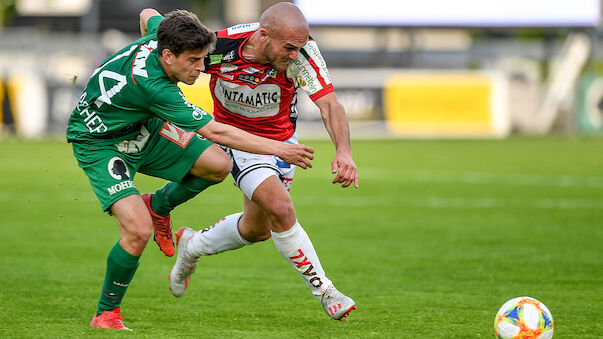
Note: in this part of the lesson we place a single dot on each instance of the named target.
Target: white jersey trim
(243, 28)
(304, 74)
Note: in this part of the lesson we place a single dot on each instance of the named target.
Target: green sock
(121, 267)
(165, 199)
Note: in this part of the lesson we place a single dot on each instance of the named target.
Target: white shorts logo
(117, 169)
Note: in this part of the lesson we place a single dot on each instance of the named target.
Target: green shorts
(160, 150)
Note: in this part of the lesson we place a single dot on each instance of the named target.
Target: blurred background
(402, 68)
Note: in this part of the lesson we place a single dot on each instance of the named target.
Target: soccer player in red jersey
(256, 70)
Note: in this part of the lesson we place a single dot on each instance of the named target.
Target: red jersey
(253, 96)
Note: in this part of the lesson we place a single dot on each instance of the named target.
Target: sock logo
(212, 226)
(314, 280)
(120, 284)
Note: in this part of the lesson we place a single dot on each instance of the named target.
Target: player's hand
(345, 169)
(297, 154)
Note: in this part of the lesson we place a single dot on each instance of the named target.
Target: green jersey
(127, 90)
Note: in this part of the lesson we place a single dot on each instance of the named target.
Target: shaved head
(284, 19)
(282, 34)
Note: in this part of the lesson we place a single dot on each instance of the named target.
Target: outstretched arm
(223, 134)
(333, 116)
(145, 15)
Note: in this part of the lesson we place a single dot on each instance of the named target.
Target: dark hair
(182, 31)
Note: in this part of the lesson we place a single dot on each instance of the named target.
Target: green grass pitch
(437, 237)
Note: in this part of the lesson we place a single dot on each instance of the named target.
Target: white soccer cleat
(185, 265)
(336, 304)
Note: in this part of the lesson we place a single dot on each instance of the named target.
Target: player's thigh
(274, 198)
(270, 208)
(109, 171)
(171, 152)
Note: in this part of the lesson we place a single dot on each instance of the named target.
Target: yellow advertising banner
(437, 104)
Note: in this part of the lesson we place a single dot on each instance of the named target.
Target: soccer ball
(523, 317)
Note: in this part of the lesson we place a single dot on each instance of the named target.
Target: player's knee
(142, 232)
(281, 211)
(142, 236)
(217, 171)
(223, 169)
(137, 237)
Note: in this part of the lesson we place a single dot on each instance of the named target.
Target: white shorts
(249, 170)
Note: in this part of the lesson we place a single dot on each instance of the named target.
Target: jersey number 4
(106, 95)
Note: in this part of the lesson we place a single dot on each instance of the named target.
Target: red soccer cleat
(109, 319)
(162, 228)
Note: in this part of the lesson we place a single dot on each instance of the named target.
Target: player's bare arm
(333, 116)
(295, 154)
(145, 15)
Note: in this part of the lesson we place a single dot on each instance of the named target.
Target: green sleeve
(153, 24)
(171, 105)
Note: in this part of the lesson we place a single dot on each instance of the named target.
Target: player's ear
(264, 34)
(167, 55)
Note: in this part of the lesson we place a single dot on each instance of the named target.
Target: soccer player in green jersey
(132, 117)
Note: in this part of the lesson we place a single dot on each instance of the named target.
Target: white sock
(222, 236)
(296, 247)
